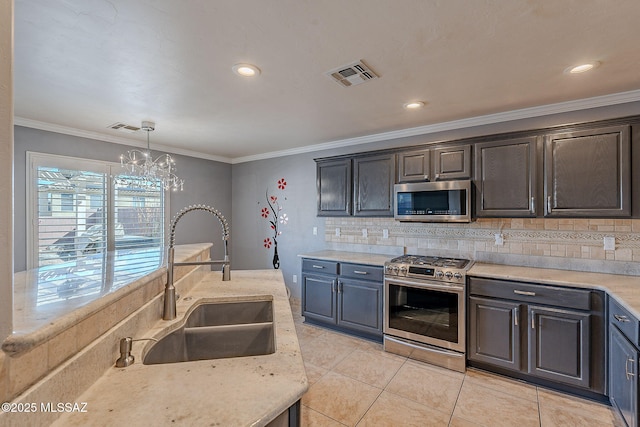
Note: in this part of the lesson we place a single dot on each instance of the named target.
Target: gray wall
(252, 178)
(206, 182)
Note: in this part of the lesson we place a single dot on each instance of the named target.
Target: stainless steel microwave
(440, 201)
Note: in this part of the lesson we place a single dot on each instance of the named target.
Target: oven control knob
(448, 275)
(403, 271)
(457, 276)
(395, 269)
(439, 274)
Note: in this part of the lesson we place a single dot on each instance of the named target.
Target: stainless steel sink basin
(217, 331)
(230, 313)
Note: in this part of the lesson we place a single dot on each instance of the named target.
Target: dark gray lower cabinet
(340, 300)
(623, 379)
(559, 345)
(512, 333)
(495, 332)
(624, 353)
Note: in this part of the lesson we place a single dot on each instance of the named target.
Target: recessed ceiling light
(414, 105)
(246, 70)
(582, 68)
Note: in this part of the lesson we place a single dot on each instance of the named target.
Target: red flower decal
(282, 184)
(267, 243)
(274, 199)
(273, 227)
(264, 212)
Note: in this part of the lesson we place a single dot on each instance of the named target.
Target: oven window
(426, 312)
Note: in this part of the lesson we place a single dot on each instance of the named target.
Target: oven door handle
(430, 285)
(417, 347)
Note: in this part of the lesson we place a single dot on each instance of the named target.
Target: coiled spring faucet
(169, 312)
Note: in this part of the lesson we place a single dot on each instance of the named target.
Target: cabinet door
(623, 379)
(588, 173)
(318, 297)
(373, 179)
(494, 332)
(452, 162)
(506, 178)
(559, 345)
(360, 306)
(333, 181)
(414, 166)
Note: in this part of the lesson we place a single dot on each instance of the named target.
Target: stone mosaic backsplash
(572, 244)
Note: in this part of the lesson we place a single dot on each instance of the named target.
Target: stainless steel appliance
(441, 201)
(424, 313)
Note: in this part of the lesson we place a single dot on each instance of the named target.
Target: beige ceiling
(86, 64)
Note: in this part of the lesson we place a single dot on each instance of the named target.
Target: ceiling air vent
(123, 127)
(352, 74)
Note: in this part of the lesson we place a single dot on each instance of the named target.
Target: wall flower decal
(273, 213)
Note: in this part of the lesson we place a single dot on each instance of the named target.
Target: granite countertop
(243, 391)
(353, 257)
(625, 289)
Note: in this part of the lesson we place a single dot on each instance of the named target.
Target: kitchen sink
(217, 331)
(231, 313)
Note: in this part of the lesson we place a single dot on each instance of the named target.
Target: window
(82, 208)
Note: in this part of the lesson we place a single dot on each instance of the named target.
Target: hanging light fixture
(141, 168)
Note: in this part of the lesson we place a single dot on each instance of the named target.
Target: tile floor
(353, 382)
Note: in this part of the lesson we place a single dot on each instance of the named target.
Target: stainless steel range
(424, 309)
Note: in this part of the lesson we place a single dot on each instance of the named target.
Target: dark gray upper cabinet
(373, 179)
(452, 162)
(588, 173)
(506, 178)
(414, 166)
(333, 181)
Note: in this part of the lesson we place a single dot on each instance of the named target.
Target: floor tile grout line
(323, 414)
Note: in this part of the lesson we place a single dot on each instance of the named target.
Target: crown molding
(524, 113)
(66, 130)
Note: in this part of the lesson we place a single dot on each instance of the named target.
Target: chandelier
(141, 169)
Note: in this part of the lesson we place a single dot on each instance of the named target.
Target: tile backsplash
(571, 244)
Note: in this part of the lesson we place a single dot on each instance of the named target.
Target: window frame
(110, 169)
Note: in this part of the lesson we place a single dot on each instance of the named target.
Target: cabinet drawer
(318, 266)
(359, 271)
(530, 293)
(624, 320)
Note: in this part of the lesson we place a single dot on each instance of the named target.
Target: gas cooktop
(428, 268)
(433, 261)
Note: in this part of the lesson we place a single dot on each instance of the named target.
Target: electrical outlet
(499, 239)
(337, 231)
(295, 278)
(609, 243)
(364, 233)
(315, 231)
(385, 233)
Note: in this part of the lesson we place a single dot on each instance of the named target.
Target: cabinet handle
(549, 204)
(533, 321)
(533, 205)
(526, 293)
(516, 313)
(360, 272)
(339, 286)
(333, 286)
(621, 318)
(318, 266)
(426, 177)
(626, 369)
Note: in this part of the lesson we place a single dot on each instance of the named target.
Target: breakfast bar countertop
(241, 391)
